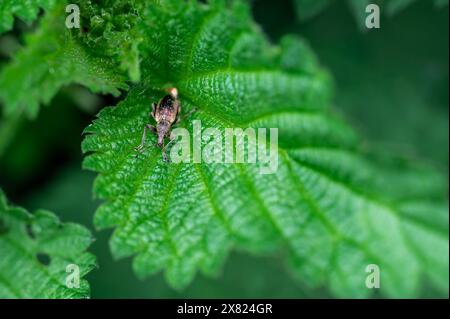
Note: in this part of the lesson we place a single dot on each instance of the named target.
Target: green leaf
(114, 31)
(36, 250)
(24, 9)
(50, 60)
(329, 210)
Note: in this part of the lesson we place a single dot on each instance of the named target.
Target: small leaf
(51, 60)
(114, 32)
(24, 9)
(35, 250)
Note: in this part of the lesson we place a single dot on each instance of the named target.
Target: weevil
(166, 113)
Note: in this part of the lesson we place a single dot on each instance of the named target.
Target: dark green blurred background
(391, 84)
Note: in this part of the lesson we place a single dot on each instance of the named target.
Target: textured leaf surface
(25, 9)
(327, 209)
(35, 250)
(50, 60)
(114, 31)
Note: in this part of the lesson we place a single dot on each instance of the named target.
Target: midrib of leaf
(164, 209)
(139, 182)
(218, 212)
(230, 71)
(195, 41)
(24, 9)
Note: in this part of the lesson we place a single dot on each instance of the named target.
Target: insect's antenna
(144, 148)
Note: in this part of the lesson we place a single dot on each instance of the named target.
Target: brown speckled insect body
(166, 114)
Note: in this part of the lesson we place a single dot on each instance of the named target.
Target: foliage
(331, 208)
(51, 60)
(36, 249)
(24, 9)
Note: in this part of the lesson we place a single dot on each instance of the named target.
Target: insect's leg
(140, 147)
(165, 148)
(170, 142)
(178, 115)
(185, 116)
(164, 154)
(152, 113)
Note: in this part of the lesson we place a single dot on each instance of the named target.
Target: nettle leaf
(25, 9)
(328, 210)
(114, 31)
(38, 253)
(50, 60)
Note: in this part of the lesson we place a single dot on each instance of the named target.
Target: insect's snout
(160, 140)
(173, 92)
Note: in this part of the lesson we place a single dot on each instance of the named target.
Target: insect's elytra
(166, 113)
